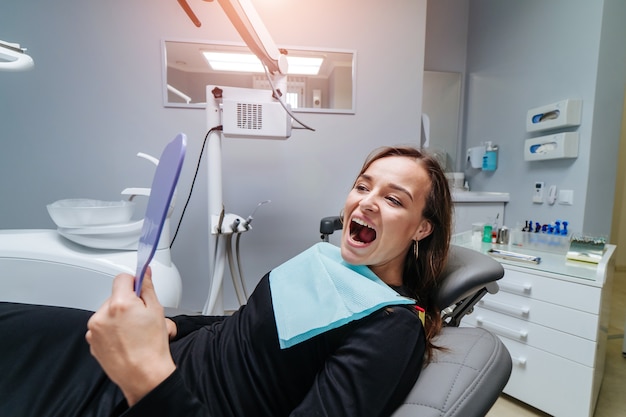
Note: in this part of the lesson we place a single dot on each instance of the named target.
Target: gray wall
(446, 50)
(525, 54)
(446, 35)
(71, 127)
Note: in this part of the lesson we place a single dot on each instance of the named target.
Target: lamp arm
(248, 23)
(250, 27)
(14, 58)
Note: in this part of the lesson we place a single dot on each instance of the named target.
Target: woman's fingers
(148, 294)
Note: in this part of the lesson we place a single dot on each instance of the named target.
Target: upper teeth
(361, 222)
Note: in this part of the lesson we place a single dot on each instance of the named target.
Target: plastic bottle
(490, 158)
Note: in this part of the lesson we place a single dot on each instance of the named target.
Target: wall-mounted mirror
(441, 101)
(187, 71)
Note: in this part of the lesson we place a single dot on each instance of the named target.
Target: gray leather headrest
(466, 272)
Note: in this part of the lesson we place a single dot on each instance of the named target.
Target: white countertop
(557, 264)
(479, 197)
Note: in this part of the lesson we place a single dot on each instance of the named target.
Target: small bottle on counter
(487, 233)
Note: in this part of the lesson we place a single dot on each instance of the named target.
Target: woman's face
(383, 215)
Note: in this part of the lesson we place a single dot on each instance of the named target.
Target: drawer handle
(520, 334)
(519, 361)
(516, 287)
(521, 311)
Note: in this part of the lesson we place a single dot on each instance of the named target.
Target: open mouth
(361, 231)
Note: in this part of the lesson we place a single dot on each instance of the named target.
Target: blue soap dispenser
(490, 158)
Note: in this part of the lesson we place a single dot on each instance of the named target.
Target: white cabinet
(475, 206)
(553, 319)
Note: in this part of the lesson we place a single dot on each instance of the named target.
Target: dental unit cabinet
(553, 318)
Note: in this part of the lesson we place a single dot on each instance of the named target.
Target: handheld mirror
(161, 192)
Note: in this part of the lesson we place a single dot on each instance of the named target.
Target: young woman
(396, 233)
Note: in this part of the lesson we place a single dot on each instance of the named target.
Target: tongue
(366, 235)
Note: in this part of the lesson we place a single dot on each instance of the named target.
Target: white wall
(524, 54)
(71, 126)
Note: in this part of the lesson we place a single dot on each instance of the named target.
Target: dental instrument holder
(543, 242)
(223, 225)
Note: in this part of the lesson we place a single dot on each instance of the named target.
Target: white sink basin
(479, 197)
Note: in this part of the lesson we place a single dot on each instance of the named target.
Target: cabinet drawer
(526, 333)
(550, 383)
(543, 287)
(576, 322)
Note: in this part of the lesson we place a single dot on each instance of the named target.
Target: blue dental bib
(317, 291)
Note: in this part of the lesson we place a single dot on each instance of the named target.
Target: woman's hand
(129, 338)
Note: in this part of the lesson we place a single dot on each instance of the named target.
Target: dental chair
(466, 378)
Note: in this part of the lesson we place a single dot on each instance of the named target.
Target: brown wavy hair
(421, 275)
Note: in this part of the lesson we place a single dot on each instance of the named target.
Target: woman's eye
(360, 187)
(394, 201)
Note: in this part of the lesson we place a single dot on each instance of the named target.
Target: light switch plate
(566, 197)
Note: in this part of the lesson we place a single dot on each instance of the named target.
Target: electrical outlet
(538, 192)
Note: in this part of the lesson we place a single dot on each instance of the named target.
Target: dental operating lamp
(14, 58)
(239, 113)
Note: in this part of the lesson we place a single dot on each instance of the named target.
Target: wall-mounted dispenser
(475, 156)
(557, 115)
(557, 146)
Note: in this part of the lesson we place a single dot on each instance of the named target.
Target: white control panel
(538, 192)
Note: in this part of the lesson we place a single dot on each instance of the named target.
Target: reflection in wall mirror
(187, 70)
(442, 103)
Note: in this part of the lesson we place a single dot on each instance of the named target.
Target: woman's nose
(368, 203)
